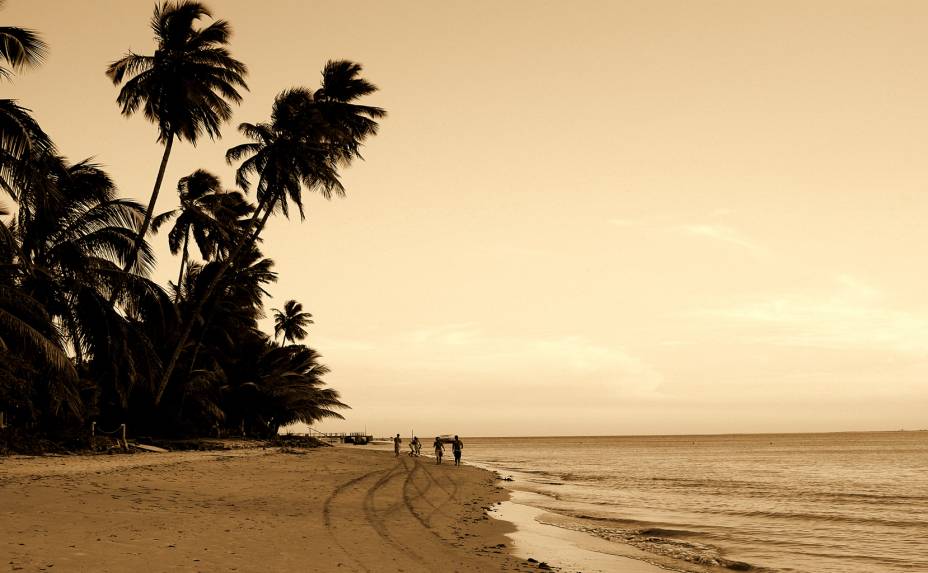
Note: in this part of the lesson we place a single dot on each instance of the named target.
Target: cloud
(721, 233)
(623, 223)
(854, 315)
(466, 351)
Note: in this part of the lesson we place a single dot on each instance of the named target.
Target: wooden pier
(357, 438)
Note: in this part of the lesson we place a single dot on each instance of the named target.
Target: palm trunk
(149, 213)
(196, 349)
(151, 203)
(188, 328)
(75, 342)
(183, 263)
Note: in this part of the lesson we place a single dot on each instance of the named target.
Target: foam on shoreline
(563, 548)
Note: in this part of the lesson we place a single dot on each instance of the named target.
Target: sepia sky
(594, 217)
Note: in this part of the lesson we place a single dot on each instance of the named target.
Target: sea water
(810, 503)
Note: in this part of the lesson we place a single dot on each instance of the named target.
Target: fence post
(125, 444)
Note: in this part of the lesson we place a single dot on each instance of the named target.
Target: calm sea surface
(811, 503)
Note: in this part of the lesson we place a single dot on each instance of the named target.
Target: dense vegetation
(85, 334)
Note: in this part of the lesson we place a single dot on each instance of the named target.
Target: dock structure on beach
(357, 438)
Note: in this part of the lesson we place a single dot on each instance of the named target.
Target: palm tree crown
(20, 48)
(310, 136)
(184, 86)
(20, 135)
(291, 321)
(207, 212)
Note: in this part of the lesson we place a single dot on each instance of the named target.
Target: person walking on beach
(456, 446)
(415, 446)
(396, 445)
(439, 449)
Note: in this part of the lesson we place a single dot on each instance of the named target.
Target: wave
(828, 517)
(661, 532)
(663, 542)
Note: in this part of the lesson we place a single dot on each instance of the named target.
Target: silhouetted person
(439, 449)
(415, 446)
(396, 445)
(456, 446)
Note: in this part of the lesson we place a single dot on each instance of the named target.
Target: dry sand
(327, 509)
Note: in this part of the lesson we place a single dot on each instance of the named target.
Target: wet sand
(326, 509)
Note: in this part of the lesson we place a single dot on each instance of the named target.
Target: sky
(635, 217)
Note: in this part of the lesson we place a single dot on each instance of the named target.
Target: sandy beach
(325, 509)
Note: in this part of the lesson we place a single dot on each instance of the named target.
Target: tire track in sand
(422, 493)
(452, 495)
(363, 497)
(327, 516)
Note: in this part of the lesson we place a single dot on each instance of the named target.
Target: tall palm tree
(291, 321)
(185, 87)
(310, 137)
(207, 212)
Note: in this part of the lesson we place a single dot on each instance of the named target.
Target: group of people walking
(415, 448)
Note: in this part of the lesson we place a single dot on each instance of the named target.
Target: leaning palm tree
(311, 136)
(291, 321)
(185, 87)
(207, 212)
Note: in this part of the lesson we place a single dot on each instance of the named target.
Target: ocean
(809, 503)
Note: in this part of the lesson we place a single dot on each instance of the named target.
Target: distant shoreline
(830, 433)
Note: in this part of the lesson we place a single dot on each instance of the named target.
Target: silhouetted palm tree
(291, 321)
(20, 48)
(310, 137)
(287, 388)
(185, 87)
(207, 212)
(73, 237)
(20, 135)
(25, 326)
(266, 386)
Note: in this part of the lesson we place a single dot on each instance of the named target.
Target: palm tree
(310, 137)
(20, 135)
(21, 140)
(73, 236)
(286, 388)
(20, 48)
(266, 386)
(229, 317)
(25, 326)
(207, 212)
(185, 87)
(291, 321)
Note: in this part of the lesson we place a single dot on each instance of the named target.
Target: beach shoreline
(322, 509)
